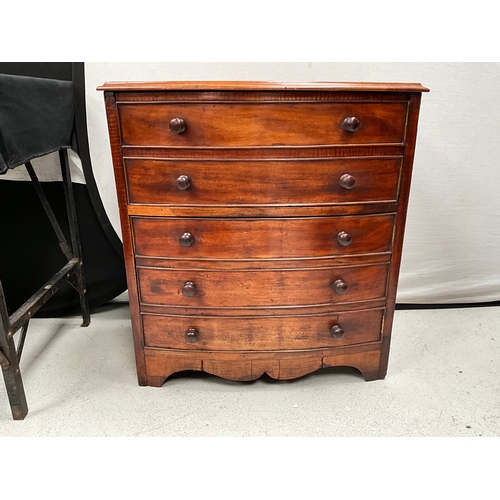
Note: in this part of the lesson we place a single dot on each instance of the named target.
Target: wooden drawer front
(269, 333)
(274, 124)
(237, 183)
(237, 239)
(273, 288)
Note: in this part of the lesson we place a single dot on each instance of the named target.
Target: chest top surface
(262, 85)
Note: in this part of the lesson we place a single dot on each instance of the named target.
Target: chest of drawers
(262, 222)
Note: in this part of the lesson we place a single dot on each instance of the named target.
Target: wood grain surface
(279, 182)
(261, 288)
(242, 238)
(263, 333)
(256, 124)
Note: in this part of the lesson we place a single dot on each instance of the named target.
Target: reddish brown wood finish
(242, 238)
(262, 222)
(264, 86)
(267, 288)
(285, 182)
(116, 153)
(263, 333)
(247, 125)
(244, 365)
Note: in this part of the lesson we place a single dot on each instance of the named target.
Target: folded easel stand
(36, 119)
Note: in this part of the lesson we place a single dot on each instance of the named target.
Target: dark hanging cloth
(36, 118)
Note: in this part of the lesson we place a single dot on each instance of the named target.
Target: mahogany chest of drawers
(262, 222)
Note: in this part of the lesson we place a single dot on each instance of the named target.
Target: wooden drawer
(273, 182)
(261, 288)
(267, 333)
(261, 124)
(241, 238)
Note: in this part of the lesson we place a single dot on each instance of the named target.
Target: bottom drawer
(263, 333)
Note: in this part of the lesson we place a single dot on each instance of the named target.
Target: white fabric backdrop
(452, 242)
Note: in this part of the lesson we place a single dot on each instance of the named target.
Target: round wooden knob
(186, 240)
(345, 239)
(189, 289)
(350, 124)
(347, 181)
(183, 182)
(337, 332)
(340, 286)
(177, 125)
(192, 335)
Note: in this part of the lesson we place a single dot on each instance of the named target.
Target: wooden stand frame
(72, 272)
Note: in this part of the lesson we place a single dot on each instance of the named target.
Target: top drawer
(262, 124)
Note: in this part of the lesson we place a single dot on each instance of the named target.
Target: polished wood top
(262, 85)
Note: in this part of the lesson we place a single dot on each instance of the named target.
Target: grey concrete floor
(443, 380)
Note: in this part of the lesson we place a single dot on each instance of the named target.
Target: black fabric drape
(36, 118)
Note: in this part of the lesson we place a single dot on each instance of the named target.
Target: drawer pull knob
(186, 240)
(350, 124)
(183, 182)
(189, 289)
(177, 125)
(192, 335)
(337, 332)
(345, 239)
(347, 181)
(340, 286)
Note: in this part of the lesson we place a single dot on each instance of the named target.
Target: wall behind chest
(453, 235)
